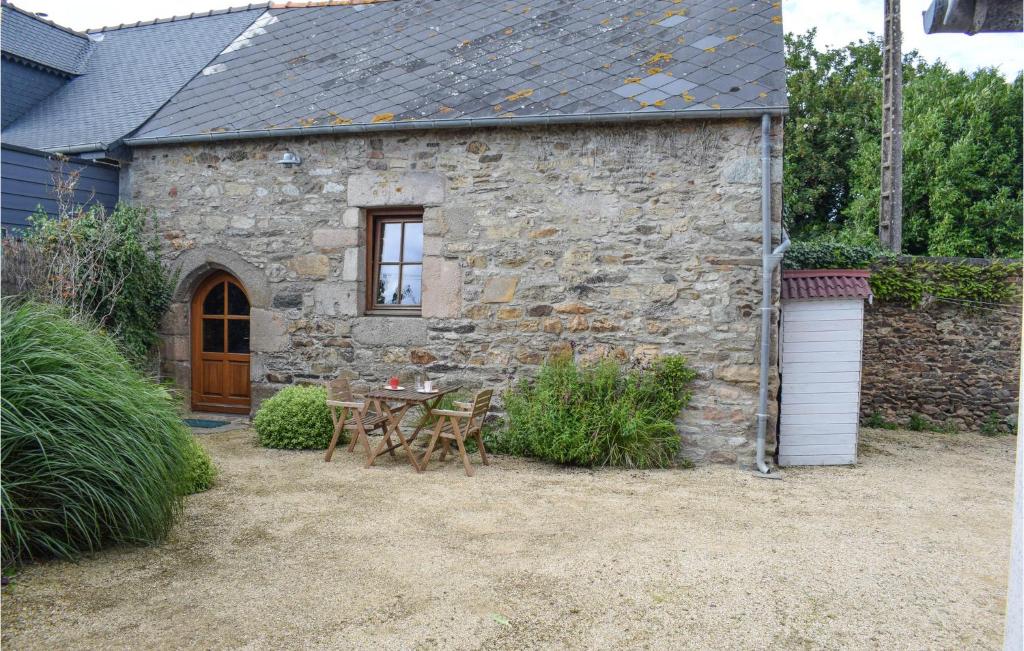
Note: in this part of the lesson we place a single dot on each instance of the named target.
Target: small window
(394, 261)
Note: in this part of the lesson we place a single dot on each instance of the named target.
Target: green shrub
(295, 418)
(877, 421)
(993, 425)
(824, 254)
(918, 423)
(909, 280)
(199, 469)
(602, 415)
(91, 450)
(103, 267)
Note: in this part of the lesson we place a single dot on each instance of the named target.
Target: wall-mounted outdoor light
(289, 159)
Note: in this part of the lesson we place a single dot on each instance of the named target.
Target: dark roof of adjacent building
(31, 39)
(825, 283)
(129, 74)
(360, 65)
(424, 63)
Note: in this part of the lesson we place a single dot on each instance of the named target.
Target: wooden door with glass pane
(220, 346)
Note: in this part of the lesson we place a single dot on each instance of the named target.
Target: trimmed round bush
(295, 418)
(199, 469)
(93, 453)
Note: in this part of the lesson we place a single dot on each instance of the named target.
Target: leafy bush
(918, 423)
(92, 452)
(993, 425)
(199, 469)
(295, 418)
(603, 415)
(103, 267)
(877, 421)
(909, 280)
(831, 255)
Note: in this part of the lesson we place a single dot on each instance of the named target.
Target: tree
(962, 167)
(835, 104)
(962, 152)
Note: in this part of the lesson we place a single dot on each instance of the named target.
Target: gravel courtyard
(907, 550)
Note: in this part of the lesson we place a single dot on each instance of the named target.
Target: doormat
(206, 424)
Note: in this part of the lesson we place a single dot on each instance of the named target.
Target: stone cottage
(460, 188)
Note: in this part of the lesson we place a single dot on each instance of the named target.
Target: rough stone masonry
(628, 240)
(949, 364)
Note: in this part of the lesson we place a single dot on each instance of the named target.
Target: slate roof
(825, 283)
(425, 63)
(31, 38)
(130, 73)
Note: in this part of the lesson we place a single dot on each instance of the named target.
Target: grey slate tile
(411, 57)
(128, 76)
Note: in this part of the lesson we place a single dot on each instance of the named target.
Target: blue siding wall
(21, 88)
(26, 181)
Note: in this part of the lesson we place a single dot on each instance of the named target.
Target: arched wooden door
(220, 345)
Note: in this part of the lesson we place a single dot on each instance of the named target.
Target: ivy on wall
(909, 280)
(912, 281)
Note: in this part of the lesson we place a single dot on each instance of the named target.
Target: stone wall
(629, 241)
(940, 361)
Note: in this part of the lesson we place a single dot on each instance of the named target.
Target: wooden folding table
(394, 404)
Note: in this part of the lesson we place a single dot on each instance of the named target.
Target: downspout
(769, 260)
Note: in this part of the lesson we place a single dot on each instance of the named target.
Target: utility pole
(890, 215)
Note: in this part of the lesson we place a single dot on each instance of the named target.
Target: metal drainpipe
(769, 260)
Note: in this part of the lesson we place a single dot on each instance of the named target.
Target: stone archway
(192, 268)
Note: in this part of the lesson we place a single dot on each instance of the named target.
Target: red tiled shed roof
(825, 283)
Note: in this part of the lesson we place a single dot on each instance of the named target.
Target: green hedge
(93, 453)
(295, 418)
(600, 415)
(909, 280)
(831, 255)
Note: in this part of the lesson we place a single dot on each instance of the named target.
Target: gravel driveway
(907, 550)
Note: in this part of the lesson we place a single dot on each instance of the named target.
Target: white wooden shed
(822, 332)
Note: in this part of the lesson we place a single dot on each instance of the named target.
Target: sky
(838, 23)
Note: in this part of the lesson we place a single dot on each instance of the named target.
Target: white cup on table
(428, 386)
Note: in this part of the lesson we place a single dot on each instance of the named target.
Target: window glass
(413, 250)
(214, 301)
(238, 335)
(387, 286)
(411, 281)
(238, 304)
(391, 246)
(213, 335)
(396, 273)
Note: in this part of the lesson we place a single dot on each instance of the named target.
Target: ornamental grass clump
(295, 418)
(600, 415)
(93, 453)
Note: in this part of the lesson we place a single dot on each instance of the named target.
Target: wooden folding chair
(355, 417)
(458, 426)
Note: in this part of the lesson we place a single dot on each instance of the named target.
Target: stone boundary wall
(941, 361)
